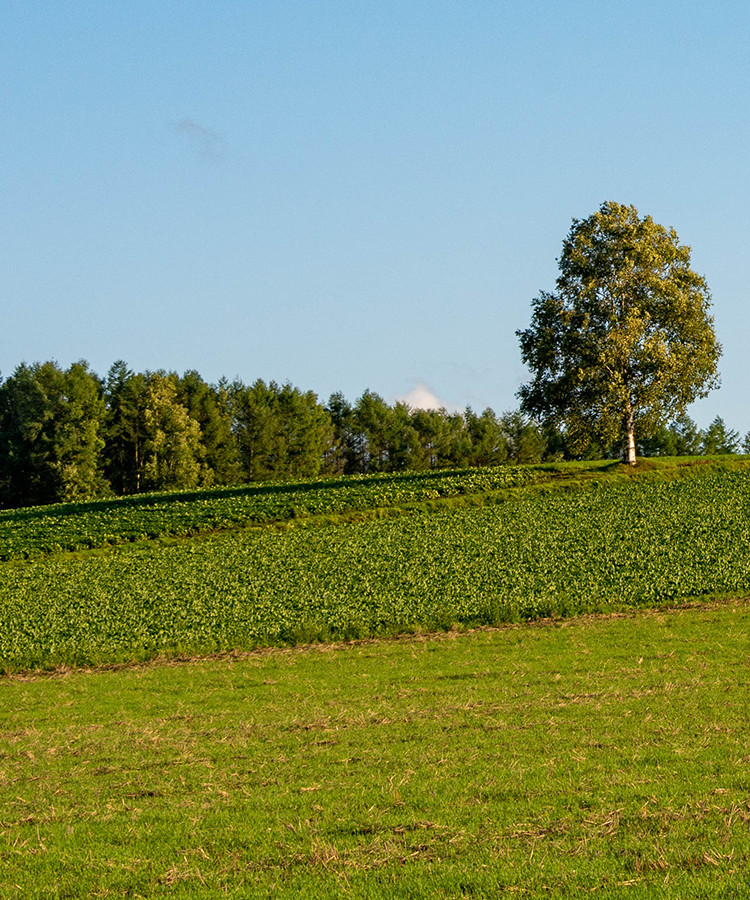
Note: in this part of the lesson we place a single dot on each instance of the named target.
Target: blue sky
(352, 195)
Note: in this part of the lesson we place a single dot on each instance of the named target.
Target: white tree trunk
(629, 447)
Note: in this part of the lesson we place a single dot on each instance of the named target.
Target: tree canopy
(626, 341)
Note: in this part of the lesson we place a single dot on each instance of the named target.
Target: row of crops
(29, 533)
(613, 546)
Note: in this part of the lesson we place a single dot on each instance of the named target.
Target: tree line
(71, 435)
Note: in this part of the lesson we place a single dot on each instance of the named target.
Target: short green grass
(602, 756)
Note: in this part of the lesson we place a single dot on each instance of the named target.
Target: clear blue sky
(352, 194)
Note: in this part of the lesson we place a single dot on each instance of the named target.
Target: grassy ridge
(618, 544)
(602, 757)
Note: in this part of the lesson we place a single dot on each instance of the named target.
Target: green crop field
(28, 533)
(38, 531)
(596, 545)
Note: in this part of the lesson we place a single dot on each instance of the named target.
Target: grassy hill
(572, 754)
(175, 575)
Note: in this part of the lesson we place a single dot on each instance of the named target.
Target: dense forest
(71, 435)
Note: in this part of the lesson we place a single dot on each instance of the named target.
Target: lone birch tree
(626, 341)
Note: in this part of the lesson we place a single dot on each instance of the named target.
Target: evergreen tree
(281, 432)
(525, 438)
(125, 395)
(489, 444)
(347, 451)
(718, 440)
(372, 417)
(428, 425)
(402, 440)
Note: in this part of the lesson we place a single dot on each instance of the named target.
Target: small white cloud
(422, 397)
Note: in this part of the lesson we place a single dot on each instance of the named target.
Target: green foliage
(345, 454)
(68, 435)
(718, 440)
(680, 438)
(209, 406)
(164, 432)
(525, 441)
(281, 432)
(626, 341)
(373, 417)
(125, 436)
(51, 423)
(488, 439)
(173, 453)
(375, 437)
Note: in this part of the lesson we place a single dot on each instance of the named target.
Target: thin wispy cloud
(206, 143)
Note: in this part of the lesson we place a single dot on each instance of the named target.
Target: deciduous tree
(51, 423)
(626, 341)
(173, 457)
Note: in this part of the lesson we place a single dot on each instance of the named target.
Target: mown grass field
(601, 756)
